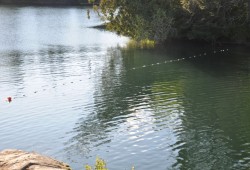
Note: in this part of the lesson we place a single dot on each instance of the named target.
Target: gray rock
(20, 160)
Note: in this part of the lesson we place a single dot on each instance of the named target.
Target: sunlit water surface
(77, 96)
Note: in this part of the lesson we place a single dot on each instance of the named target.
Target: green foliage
(100, 164)
(161, 20)
(143, 44)
(91, 1)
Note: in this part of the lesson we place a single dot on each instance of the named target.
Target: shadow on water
(200, 103)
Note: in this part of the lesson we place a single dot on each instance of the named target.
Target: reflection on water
(76, 96)
(180, 114)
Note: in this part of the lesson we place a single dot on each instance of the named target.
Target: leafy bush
(161, 20)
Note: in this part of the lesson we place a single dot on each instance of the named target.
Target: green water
(77, 93)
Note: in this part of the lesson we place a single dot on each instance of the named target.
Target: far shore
(58, 3)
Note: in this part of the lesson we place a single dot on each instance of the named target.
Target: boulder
(20, 160)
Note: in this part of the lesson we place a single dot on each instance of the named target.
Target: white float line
(179, 59)
(135, 68)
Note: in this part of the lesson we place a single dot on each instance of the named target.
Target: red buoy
(9, 99)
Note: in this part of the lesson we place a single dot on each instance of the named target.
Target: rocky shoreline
(12, 159)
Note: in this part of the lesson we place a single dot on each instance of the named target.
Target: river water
(78, 93)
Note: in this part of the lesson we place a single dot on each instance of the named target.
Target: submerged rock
(20, 160)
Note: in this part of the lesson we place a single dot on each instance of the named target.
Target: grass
(142, 44)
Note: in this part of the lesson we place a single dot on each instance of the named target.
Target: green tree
(161, 20)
